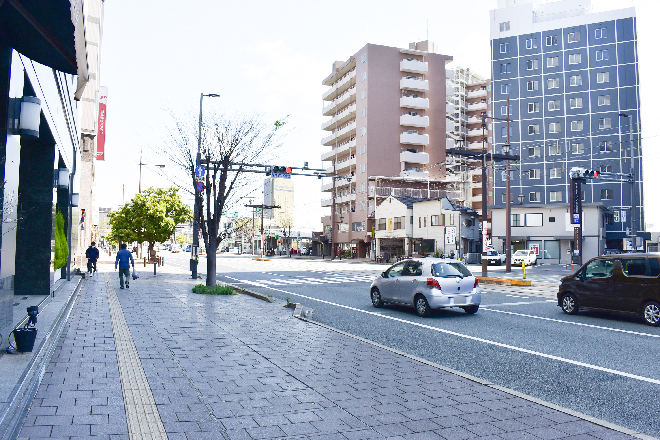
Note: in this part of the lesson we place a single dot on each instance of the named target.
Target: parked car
(626, 283)
(494, 257)
(527, 256)
(188, 248)
(428, 283)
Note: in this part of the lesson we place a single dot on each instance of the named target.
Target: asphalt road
(602, 365)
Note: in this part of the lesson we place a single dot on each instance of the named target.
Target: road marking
(570, 322)
(475, 338)
(521, 303)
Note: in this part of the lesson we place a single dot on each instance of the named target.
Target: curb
(504, 282)
(250, 293)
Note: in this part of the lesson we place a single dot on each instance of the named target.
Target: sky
(271, 57)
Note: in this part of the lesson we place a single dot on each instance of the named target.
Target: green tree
(61, 246)
(182, 238)
(150, 216)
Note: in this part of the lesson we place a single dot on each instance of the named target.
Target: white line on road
(522, 303)
(461, 335)
(569, 322)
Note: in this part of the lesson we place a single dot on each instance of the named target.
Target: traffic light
(281, 170)
(589, 174)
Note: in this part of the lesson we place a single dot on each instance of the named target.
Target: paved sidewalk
(236, 367)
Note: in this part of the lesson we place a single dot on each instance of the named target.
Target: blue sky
(271, 57)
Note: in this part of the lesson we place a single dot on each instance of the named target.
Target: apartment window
(424, 221)
(363, 149)
(584, 195)
(505, 68)
(603, 77)
(363, 187)
(602, 55)
(601, 33)
(576, 80)
(534, 129)
(363, 131)
(412, 132)
(573, 37)
(576, 102)
(553, 61)
(553, 83)
(363, 94)
(532, 85)
(531, 43)
(505, 47)
(503, 131)
(532, 64)
(605, 146)
(604, 100)
(532, 107)
(515, 220)
(363, 206)
(505, 88)
(398, 223)
(363, 168)
(555, 173)
(606, 168)
(420, 222)
(364, 57)
(363, 112)
(503, 110)
(554, 104)
(363, 76)
(358, 226)
(575, 58)
(534, 151)
(604, 123)
(551, 40)
(577, 148)
(577, 125)
(554, 149)
(505, 26)
(382, 224)
(555, 196)
(606, 194)
(554, 127)
(534, 196)
(435, 220)
(535, 174)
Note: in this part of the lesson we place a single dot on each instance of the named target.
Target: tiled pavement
(240, 368)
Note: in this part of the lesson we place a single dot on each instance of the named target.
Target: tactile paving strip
(142, 415)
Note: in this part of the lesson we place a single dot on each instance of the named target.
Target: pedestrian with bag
(92, 255)
(125, 261)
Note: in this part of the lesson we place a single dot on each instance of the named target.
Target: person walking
(125, 261)
(92, 255)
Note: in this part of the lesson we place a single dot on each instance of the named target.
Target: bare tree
(227, 142)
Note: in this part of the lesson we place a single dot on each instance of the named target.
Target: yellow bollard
(524, 273)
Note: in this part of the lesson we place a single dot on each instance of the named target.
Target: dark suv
(628, 283)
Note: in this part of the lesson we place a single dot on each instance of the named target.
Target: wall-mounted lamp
(521, 198)
(62, 178)
(25, 116)
(75, 199)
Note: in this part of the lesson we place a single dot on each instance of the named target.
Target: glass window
(535, 196)
(532, 85)
(505, 26)
(554, 105)
(551, 249)
(576, 80)
(554, 127)
(605, 146)
(505, 68)
(575, 58)
(573, 37)
(551, 40)
(364, 57)
(363, 76)
(505, 47)
(577, 148)
(515, 220)
(602, 55)
(555, 173)
(535, 174)
(532, 64)
(505, 88)
(606, 168)
(553, 61)
(555, 196)
(603, 77)
(553, 83)
(533, 219)
(413, 269)
(534, 151)
(654, 267)
(446, 270)
(604, 100)
(554, 149)
(576, 102)
(382, 224)
(577, 125)
(531, 43)
(606, 194)
(532, 107)
(601, 33)
(604, 123)
(435, 220)
(534, 129)
(363, 149)
(396, 270)
(634, 266)
(599, 269)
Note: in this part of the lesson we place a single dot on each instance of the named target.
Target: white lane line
(573, 323)
(521, 303)
(474, 338)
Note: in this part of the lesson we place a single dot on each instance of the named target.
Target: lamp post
(198, 197)
(521, 198)
(506, 149)
(633, 204)
(341, 220)
(141, 163)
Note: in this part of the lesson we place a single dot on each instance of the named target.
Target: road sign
(200, 171)
(199, 186)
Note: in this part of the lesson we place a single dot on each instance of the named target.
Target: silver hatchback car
(427, 283)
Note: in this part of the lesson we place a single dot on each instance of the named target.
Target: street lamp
(198, 197)
(633, 204)
(521, 198)
(141, 163)
(506, 149)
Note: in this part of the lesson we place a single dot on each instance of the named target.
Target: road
(602, 365)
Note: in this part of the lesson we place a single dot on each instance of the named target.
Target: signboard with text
(100, 132)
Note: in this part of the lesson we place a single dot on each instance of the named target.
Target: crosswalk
(279, 280)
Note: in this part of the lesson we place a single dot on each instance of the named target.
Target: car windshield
(450, 270)
(520, 254)
(492, 253)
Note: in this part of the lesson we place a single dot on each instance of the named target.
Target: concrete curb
(250, 293)
(504, 282)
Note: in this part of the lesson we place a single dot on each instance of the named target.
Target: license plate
(460, 300)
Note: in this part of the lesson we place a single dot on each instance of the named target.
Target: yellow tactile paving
(144, 422)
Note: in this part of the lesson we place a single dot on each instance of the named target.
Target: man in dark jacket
(92, 254)
(125, 261)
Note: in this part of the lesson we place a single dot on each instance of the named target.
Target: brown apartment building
(387, 128)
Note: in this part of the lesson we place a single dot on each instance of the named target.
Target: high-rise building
(572, 83)
(279, 191)
(386, 110)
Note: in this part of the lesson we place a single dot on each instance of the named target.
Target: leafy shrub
(61, 246)
(215, 290)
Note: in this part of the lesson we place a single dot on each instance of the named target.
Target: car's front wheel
(569, 304)
(422, 306)
(471, 309)
(376, 300)
(651, 313)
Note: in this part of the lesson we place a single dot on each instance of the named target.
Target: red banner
(100, 134)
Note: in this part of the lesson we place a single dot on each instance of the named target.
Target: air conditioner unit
(412, 113)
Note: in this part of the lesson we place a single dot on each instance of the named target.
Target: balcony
(340, 86)
(414, 84)
(410, 157)
(414, 121)
(414, 66)
(477, 106)
(415, 175)
(340, 118)
(474, 120)
(343, 148)
(450, 91)
(339, 183)
(414, 139)
(346, 198)
(326, 202)
(476, 132)
(339, 101)
(410, 102)
(345, 131)
(344, 163)
(481, 93)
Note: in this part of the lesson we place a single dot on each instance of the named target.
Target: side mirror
(383, 274)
